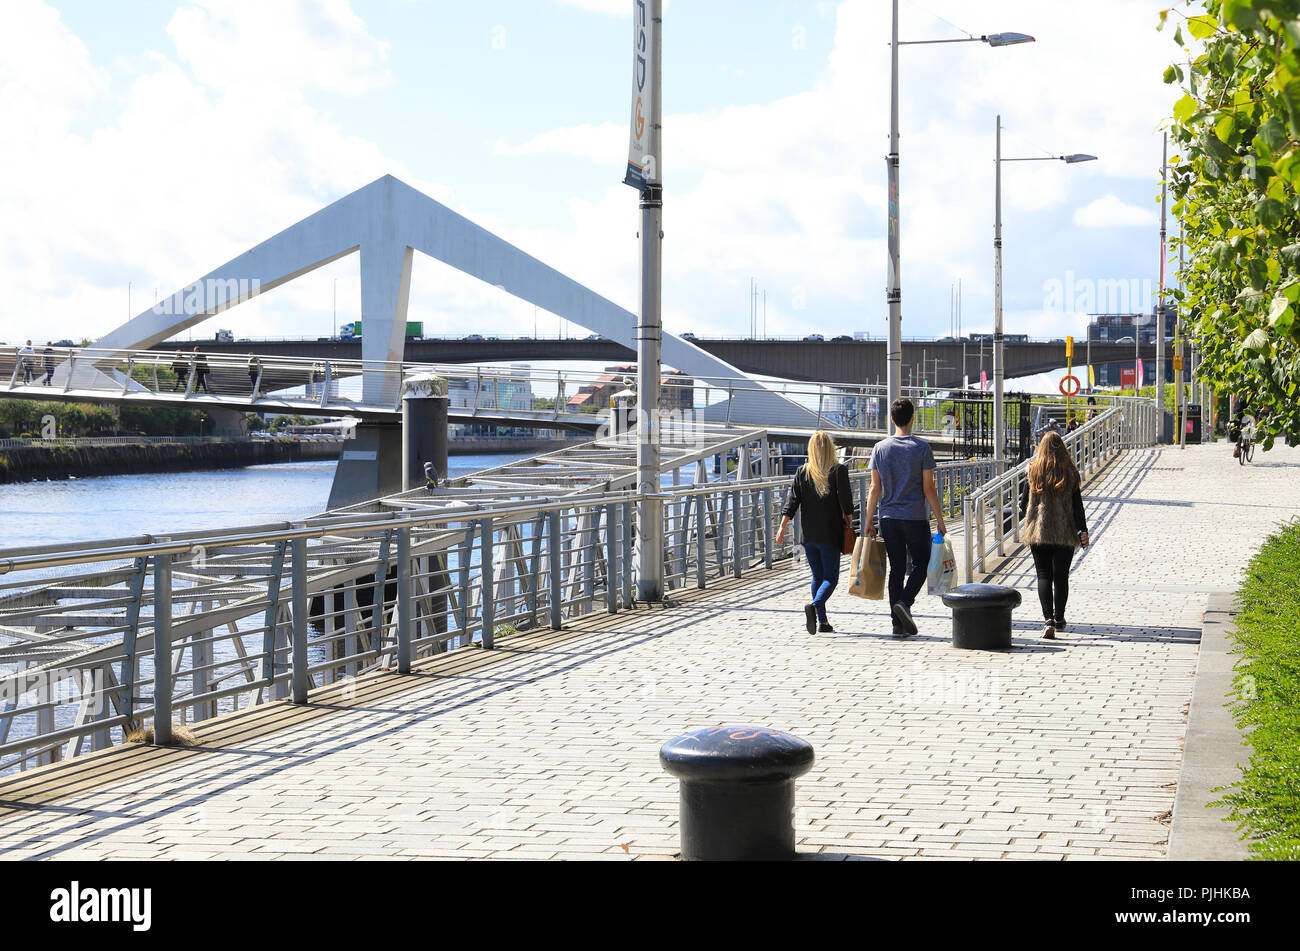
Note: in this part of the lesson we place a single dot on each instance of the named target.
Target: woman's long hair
(1052, 471)
(821, 461)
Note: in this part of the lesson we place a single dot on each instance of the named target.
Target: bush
(1266, 700)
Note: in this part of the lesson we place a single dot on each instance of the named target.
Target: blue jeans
(824, 561)
(906, 539)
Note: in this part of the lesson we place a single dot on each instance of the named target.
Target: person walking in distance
(821, 489)
(26, 356)
(49, 365)
(254, 371)
(182, 370)
(201, 369)
(902, 484)
(1052, 523)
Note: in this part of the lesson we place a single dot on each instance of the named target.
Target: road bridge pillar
(424, 429)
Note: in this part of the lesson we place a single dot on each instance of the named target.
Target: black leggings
(1053, 564)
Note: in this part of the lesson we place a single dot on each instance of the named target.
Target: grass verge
(1265, 803)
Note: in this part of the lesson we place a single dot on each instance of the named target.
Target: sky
(149, 141)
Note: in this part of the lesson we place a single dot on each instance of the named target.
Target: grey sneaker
(904, 618)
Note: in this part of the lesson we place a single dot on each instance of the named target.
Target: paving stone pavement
(548, 747)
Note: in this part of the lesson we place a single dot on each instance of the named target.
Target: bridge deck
(547, 747)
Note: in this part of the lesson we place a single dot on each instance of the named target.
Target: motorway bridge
(831, 361)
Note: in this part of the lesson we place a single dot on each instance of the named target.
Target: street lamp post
(894, 290)
(998, 357)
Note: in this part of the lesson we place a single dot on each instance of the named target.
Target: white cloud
(1110, 212)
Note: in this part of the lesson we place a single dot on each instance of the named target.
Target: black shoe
(825, 628)
(898, 632)
(1059, 624)
(904, 617)
(810, 614)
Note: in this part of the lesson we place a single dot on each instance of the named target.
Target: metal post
(894, 290)
(700, 573)
(766, 501)
(299, 580)
(649, 337)
(554, 571)
(485, 582)
(404, 600)
(625, 565)
(737, 555)
(611, 560)
(1160, 311)
(162, 650)
(997, 302)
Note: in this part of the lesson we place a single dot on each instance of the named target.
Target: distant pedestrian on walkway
(49, 365)
(26, 357)
(254, 371)
(821, 489)
(182, 370)
(902, 485)
(201, 370)
(1052, 522)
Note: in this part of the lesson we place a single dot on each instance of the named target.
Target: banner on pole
(1127, 376)
(1140, 372)
(641, 161)
(984, 380)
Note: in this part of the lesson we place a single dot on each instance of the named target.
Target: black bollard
(737, 791)
(981, 615)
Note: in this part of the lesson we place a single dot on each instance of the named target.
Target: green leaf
(1273, 132)
(1225, 128)
(1178, 35)
(1269, 212)
(1277, 308)
(1201, 27)
(1184, 108)
(1257, 341)
(1257, 271)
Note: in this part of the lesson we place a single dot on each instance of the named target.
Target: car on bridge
(688, 336)
(814, 337)
(841, 338)
(1125, 340)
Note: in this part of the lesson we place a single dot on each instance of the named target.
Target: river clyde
(73, 510)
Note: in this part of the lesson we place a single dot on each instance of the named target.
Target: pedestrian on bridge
(902, 485)
(1052, 522)
(201, 370)
(25, 358)
(182, 370)
(49, 365)
(821, 489)
(254, 371)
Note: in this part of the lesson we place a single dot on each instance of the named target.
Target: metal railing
(107, 639)
(991, 513)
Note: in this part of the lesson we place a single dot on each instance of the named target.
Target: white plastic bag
(942, 568)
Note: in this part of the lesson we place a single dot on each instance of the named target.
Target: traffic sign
(1178, 362)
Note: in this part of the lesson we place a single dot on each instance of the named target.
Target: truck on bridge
(352, 331)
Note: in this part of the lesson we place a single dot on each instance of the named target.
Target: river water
(45, 513)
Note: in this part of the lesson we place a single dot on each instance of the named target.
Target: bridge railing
(340, 387)
(991, 513)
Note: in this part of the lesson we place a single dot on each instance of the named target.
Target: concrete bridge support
(370, 466)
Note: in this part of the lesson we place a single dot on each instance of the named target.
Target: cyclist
(1237, 432)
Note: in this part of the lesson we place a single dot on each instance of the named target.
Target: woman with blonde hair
(821, 489)
(1053, 524)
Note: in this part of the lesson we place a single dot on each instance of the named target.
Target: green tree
(1235, 194)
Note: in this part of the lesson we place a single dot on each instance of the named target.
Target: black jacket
(1076, 503)
(822, 523)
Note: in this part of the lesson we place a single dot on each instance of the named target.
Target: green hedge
(1266, 699)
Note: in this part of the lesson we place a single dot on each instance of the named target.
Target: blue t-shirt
(900, 460)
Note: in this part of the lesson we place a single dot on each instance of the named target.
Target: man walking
(25, 357)
(902, 483)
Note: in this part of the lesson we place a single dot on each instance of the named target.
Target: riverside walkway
(547, 747)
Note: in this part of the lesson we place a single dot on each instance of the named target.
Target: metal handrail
(1130, 423)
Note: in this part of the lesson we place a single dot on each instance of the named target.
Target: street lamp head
(1007, 39)
(1078, 157)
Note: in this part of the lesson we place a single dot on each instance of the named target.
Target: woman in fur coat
(1053, 524)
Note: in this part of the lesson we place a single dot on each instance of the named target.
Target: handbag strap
(838, 503)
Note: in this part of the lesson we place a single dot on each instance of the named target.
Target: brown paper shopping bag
(868, 569)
